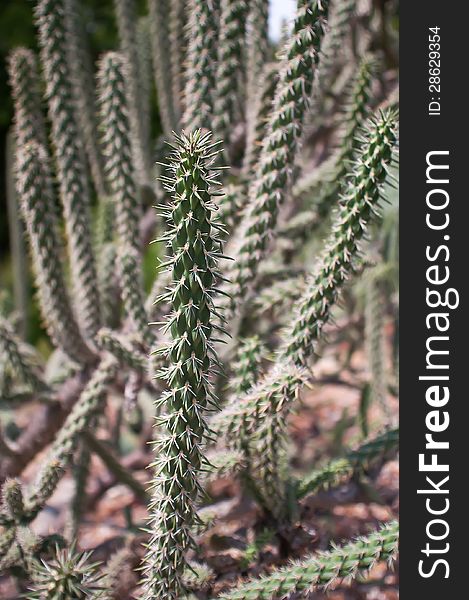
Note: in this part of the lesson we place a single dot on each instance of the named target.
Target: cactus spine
(195, 247)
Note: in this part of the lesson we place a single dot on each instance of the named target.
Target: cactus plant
(309, 155)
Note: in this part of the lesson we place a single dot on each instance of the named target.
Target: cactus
(117, 335)
(201, 60)
(322, 570)
(68, 576)
(279, 147)
(127, 26)
(230, 46)
(36, 193)
(117, 146)
(74, 188)
(195, 246)
(158, 10)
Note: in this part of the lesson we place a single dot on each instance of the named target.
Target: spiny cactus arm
(341, 16)
(12, 495)
(280, 296)
(50, 18)
(261, 99)
(201, 65)
(24, 81)
(230, 47)
(145, 71)
(88, 405)
(159, 11)
(117, 146)
(270, 185)
(35, 190)
(232, 204)
(325, 568)
(354, 120)
(19, 356)
(7, 540)
(257, 48)
(132, 294)
(374, 337)
(126, 14)
(127, 355)
(40, 431)
(117, 572)
(222, 463)
(69, 574)
(358, 206)
(177, 45)
(277, 388)
(341, 469)
(195, 249)
(108, 286)
(80, 471)
(83, 86)
(18, 254)
(115, 467)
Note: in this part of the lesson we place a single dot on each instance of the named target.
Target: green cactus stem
(81, 63)
(194, 252)
(272, 180)
(201, 65)
(69, 575)
(358, 206)
(341, 469)
(230, 46)
(162, 61)
(126, 12)
(178, 49)
(324, 568)
(257, 126)
(117, 146)
(35, 190)
(24, 81)
(257, 48)
(89, 404)
(20, 357)
(74, 189)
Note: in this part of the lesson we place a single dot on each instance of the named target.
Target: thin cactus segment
(74, 188)
(127, 27)
(24, 81)
(230, 46)
(321, 570)
(201, 61)
(268, 190)
(19, 357)
(358, 205)
(83, 86)
(195, 248)
(35, 190)
(341, 469)
(162, 65)
(117, 146)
